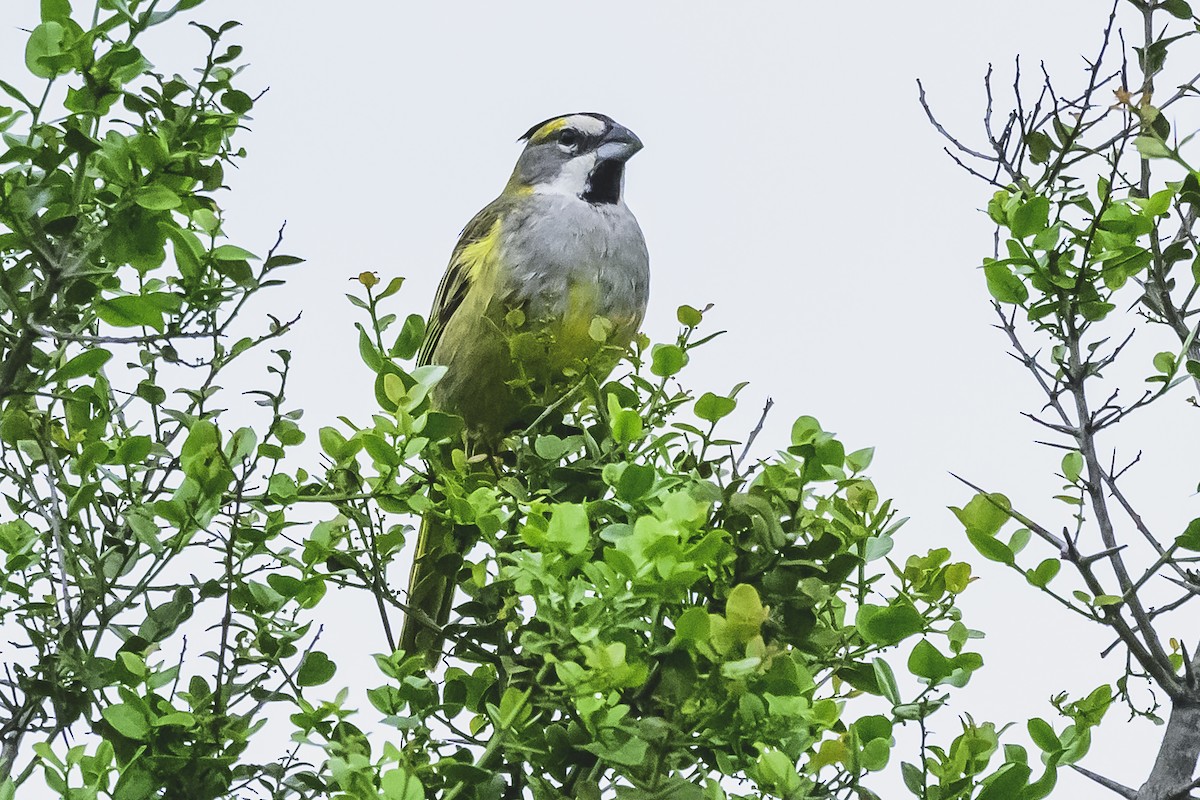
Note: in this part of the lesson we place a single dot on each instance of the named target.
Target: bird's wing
(472, 246)
(431, 583)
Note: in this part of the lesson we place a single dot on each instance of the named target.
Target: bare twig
(754, 433)
(1192, 588)
(81, 338)
(962, 148)
(1107, 783)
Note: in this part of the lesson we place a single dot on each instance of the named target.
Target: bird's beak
(618, 144)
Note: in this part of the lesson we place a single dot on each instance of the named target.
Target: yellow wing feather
(432, 581)
(478, 240)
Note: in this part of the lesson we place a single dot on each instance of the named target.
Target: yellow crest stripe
(549, 129)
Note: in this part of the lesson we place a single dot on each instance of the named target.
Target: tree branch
(754, 433)
(1107, 783)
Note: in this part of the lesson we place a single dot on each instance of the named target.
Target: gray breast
(556, 242)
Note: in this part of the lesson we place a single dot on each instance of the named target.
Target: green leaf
(631, 752)
(1030, 217)
(600, 329)
(514, 708)
(1072, 465)
(1190, 538)
(626, 425)
(1076, 743)
(692, 625)
(569, 528)
(398, 784)
(281, 260)
(187, 248)
(635, 481)
(133, 664)
(130, 311)
(744, 612)
(393, 286)
(1043, 786)
(888, 625)
(957, 577)
(667, 359)
(688, 317)
(875, 755)
(1019, 539)
(1003, 285)
(1152, 147)
(859, 460)
(1177, 8)
(713, 407)
(412, 334)
(1041, 575)
(626, 422)
(1165, 363)
(367, 350)
(550, 447)
(805, 430)
(378, 449)
(44, 52)
(1158, 203)
(88, 362)
(127, 721)
(985, 514)
(136, 783)
(156, 197)
(231, 252)
(134, 450)
(1006, 783)
(315, 669)
(56, 10)
(878, 547)
(237, 101)
(394, 387)
(991, 548)
(282, 487)
(1039, 145)
(332, 442)
(886, 679)
(914, 779)
(1043, 735)
(1094, 311)
(926, 661)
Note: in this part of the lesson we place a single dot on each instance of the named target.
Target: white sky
(789, 176)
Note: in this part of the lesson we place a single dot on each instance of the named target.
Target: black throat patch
(604, 184)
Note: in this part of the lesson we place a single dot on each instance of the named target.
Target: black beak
(618, 144)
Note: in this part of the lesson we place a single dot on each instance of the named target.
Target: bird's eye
(568, 138)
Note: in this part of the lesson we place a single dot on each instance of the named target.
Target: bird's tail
(431, 588)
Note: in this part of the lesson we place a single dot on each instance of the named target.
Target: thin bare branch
(82, 338)
(933, 120)
(1107, 783)
(754, 433)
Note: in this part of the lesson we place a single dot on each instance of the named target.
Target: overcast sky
(789, 177)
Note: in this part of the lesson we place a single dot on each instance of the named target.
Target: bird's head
(582, 155)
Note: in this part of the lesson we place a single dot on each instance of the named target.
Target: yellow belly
(506, 366)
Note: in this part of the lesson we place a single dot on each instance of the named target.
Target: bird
(547, 283)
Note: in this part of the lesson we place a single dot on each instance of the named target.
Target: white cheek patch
(572, 179)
